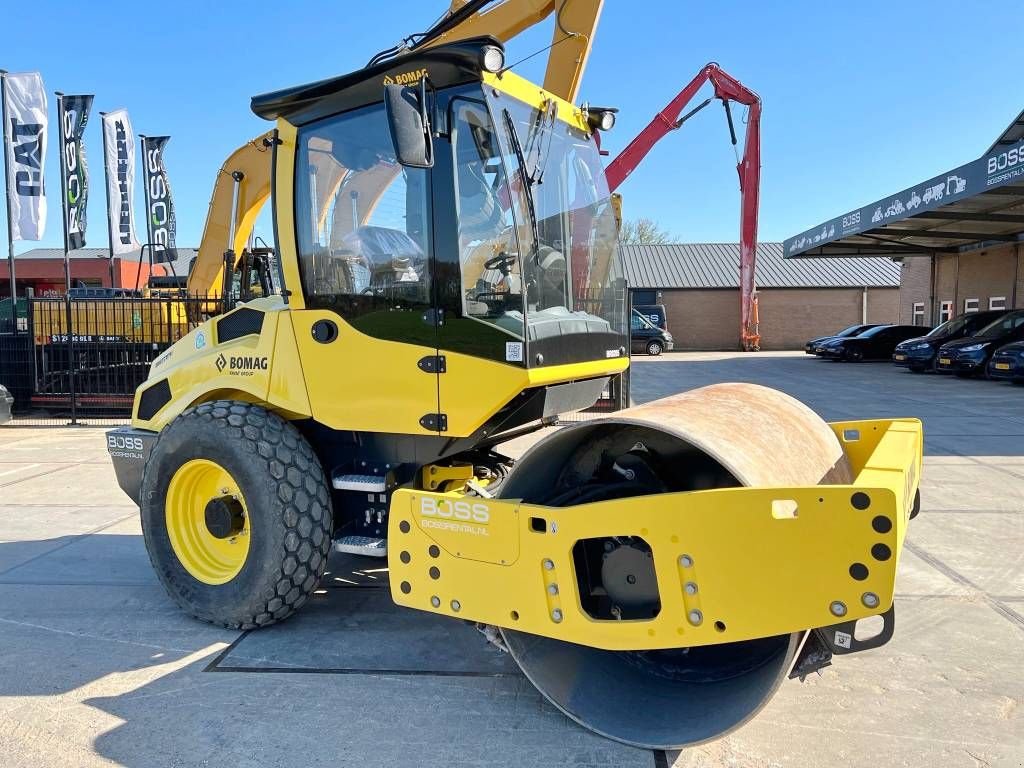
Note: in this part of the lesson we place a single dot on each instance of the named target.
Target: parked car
(970, 356)
(811, 347)
(875, 343)
(918, 354)
(1008, 363)
(655, 313)
(6, 402)
(645, 336)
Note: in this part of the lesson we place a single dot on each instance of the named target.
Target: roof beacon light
(492, 58)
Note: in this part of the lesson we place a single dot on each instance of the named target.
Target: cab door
(365, 338)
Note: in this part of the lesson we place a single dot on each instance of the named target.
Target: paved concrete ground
(98, 668)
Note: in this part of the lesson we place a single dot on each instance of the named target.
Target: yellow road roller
(447, 278)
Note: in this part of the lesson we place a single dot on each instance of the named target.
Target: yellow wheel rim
(210, 559)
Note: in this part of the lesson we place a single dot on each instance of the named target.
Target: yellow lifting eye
(207, 521)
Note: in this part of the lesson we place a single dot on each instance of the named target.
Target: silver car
(6, 401)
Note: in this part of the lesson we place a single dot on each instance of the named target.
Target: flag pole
(10, 221)
(106, 177)
(67, 257)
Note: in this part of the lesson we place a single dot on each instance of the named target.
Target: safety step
(369, 546)
(364, 483)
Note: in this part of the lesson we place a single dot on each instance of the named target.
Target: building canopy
(981, 202)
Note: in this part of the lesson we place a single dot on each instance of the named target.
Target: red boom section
(727, 88)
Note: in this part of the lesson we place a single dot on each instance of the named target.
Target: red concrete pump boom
(727, 89)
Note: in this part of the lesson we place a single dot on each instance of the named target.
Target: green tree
(644, 232)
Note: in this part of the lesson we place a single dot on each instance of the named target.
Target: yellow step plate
(731, 564)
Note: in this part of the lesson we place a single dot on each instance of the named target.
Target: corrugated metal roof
(717, 265)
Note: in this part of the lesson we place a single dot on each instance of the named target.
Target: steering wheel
(502, 262)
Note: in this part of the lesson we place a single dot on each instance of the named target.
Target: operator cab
(437, 187)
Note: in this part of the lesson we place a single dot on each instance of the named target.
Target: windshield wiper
(517, 147)
(534, 141)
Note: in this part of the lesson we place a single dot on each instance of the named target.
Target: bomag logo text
(406, 78)
(241, 365)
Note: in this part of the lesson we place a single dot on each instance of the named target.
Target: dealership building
(698, 284)
(957, 234)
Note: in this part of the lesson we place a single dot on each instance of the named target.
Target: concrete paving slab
(98, 667)
(944, 692)
(963, 541)
(13, 472)
(360, 629)
(115, 555)
(82, 485)
(129, 705)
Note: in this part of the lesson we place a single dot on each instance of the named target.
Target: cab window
(362, 223)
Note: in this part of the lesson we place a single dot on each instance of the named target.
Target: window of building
(971, 305)
(918, 313)
(997, 302)
(945, 311)
(641, 298)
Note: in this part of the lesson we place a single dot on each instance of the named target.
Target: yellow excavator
(446, 278)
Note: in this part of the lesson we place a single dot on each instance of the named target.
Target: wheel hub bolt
(696, 617)
(556, 615)
(870, 600)
(686, 561)
(838, 608)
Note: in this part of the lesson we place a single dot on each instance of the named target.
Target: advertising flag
(160, 219)
(119, 156)
(25, 140)
(74, 115)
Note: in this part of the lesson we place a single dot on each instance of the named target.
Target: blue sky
(859, 99)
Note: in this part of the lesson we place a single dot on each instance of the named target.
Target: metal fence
(82, 359)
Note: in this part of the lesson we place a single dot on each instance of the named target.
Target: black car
(811, 347)
(1008, 363)
(875, 343)
(645, 336)
(6, 401)
(918, 354)
(970, 356)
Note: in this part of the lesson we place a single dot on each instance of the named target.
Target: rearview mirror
(410, 125)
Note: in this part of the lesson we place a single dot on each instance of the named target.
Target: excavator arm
(571, 41)
(726, 88)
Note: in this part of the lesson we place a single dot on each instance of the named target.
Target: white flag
(119, 153)
(25, 135)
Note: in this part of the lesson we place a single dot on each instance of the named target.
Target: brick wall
(703, 319)
(709, 319)
(915, 287)
(985, 274)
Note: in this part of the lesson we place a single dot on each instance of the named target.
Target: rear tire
(287, 513)
(654, 348)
